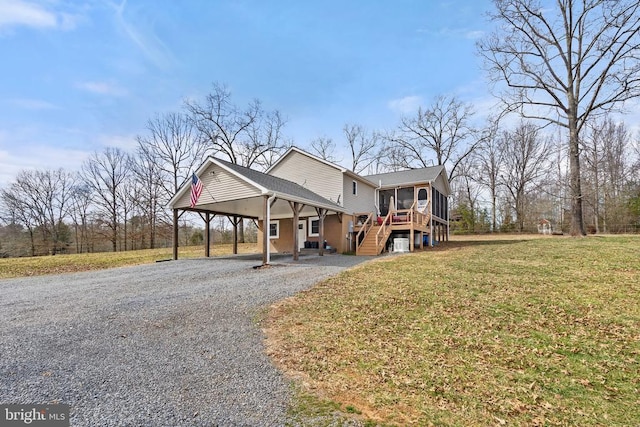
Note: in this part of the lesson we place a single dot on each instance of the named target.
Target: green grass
(35, 266)
(541, 331)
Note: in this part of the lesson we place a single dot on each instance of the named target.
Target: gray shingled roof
(407, 177)
(280, 185)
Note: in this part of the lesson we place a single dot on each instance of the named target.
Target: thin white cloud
(127, 143)
(474, 34)
(38, 157)
(19, 13)
(32, 104)
(102, 88)
(405, 105)
(145, 39)
(448, 32)
(27, 14)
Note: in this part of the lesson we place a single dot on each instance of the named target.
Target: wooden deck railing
(410, 216)
(383, 233)
(394, 219)
(365, 227)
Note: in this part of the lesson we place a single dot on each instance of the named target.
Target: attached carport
(239, 192)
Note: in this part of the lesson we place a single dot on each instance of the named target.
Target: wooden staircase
(375, 236)
(369, 246)
(374, 232)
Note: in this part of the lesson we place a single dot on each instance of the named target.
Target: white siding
(318, 177)
(220, 184)
(364, 201)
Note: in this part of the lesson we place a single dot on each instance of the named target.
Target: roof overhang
(251, 207)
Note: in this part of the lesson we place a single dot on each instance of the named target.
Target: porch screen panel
(440, 204)
(405, 197)
(384, 199)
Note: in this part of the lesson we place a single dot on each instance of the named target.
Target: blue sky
(81, 75)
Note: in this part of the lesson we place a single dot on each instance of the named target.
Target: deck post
(431, 231)
(411, 238)
(175, 234)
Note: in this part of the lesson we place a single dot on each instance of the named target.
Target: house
(307, 202)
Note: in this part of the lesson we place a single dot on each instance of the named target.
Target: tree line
(553, 151)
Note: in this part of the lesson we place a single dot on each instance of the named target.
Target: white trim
(277, 223)
(310, 229)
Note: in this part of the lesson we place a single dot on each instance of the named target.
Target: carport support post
(207, 234)
(265, 231)
(296, 208)
(235, 235)
(175, 234)
(321, 214)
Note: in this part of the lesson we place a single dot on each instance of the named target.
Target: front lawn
(36, 266)
(542, 331)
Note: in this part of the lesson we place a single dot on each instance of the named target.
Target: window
(354, 188)
(314, 226)
(274, 229)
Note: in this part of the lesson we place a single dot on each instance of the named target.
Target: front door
(302, 233)
(423, 199)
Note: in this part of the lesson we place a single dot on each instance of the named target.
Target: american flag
(196, 189)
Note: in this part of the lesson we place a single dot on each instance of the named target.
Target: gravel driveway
(167, 344)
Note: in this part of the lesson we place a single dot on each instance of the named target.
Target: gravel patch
(166, 344)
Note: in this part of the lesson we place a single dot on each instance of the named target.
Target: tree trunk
(577, 221)
(494, 220)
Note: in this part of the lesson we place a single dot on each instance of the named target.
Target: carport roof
(268, 185)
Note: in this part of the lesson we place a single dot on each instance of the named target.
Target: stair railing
(364, 230)
(384, 232)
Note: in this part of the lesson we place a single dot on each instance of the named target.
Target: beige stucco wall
(334, 234)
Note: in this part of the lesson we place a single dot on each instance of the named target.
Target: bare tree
(362, 145)
(267, 132)
(242, 136)
(565, 63)
(467, 190)
(606, 149)
(488, 159)
(325, 148)
(40, 201)
(55, 195)
(79, 213)
(151, 181)
(174, 146)
(442, 131)
(105, 173)
(525, 153)
(18, 211)
(247, 137)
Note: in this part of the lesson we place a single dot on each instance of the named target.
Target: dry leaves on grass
(521, 331)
